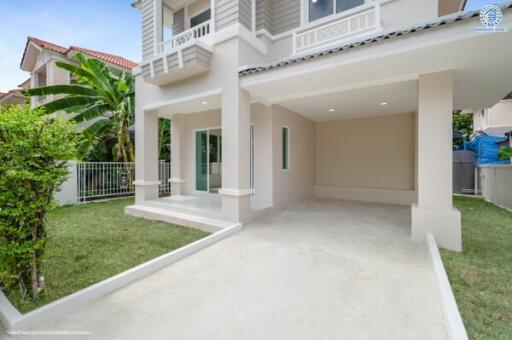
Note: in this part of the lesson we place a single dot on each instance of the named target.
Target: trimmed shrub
(34, 150)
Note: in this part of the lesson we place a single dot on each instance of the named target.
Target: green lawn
(481, 276)
(91, 242)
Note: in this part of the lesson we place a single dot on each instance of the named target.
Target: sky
(111, 26)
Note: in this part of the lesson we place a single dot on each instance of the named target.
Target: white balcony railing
(196, 32)
(343, 26)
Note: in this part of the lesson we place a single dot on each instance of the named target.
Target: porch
(198, 211)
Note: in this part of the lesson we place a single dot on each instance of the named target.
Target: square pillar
(434, 213)
(236, 121)
(177, 179)
(146, 157)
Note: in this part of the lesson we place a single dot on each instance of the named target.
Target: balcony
(337, 28)
(200, 31)
(184, 55)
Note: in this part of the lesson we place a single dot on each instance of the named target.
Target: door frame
(194, 150)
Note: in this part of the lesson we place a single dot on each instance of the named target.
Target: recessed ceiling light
(331, 110)
(383, 103)
(204, 103)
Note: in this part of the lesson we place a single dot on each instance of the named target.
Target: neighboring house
(496, 120)
(39, 58)
(12, 97)
(274, 102)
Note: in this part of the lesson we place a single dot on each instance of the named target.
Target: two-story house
(12, 97)
(496, 120)
(274, 102)
(39, 58)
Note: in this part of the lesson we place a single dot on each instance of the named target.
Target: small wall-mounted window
(285, 135)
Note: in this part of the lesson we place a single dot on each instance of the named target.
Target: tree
(463, 122)
(34, 149)
(101, 96)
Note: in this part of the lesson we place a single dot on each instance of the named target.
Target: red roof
(13, 91)
(110, 58)
(47, 45)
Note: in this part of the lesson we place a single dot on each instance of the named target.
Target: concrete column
(434, 213)
(177, 143)
(236, 120)
(146, 156)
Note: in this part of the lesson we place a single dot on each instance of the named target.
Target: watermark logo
(490, 17)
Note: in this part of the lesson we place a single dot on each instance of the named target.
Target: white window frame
(288, 148)
(252, 165)
(305, 12)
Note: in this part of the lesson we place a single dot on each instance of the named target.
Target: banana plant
(101, 97)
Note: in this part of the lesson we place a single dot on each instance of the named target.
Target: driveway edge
(14, 321)
(456, 328)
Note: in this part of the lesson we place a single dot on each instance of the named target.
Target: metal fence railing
(96, 180)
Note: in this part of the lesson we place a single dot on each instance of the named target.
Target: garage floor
(319, 270)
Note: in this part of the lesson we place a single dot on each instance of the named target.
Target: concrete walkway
(320, 270)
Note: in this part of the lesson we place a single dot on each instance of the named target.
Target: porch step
(169, 205)
(176, 217)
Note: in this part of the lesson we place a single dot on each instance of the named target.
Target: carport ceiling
(401, 97)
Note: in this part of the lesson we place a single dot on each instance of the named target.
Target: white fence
(101, 180)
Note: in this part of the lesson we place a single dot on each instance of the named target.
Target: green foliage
(100, 96)
(463, 122)
(505, 152)
(34, 149)
(164, 139)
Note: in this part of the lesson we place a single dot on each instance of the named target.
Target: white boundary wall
(496, 183)
(68, 191)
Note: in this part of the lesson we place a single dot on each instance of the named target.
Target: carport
(318, 270)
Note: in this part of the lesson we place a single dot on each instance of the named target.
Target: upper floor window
(318, 9)
(200, 18)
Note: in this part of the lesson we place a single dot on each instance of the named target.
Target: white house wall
(500, 115)
(368, 159)
(297, 183)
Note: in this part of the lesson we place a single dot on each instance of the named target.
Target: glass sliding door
(215, 161)
(208, 160)
(202, 160)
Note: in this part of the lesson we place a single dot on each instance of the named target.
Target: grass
(91, 242)
(481, 276)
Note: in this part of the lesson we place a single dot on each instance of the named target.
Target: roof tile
(110, 58)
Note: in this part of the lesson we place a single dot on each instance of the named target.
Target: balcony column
(146, 156)
(177, 150)
(434, 213)
(236, 120)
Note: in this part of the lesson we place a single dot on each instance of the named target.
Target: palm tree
(101, 96)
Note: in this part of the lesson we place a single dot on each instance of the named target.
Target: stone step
(177, 217)
(169, 205)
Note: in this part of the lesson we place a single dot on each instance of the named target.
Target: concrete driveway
(319, 270)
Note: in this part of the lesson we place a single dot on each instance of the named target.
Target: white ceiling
(400, 97)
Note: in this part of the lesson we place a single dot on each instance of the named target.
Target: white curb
(456, 328)
(13, 320)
